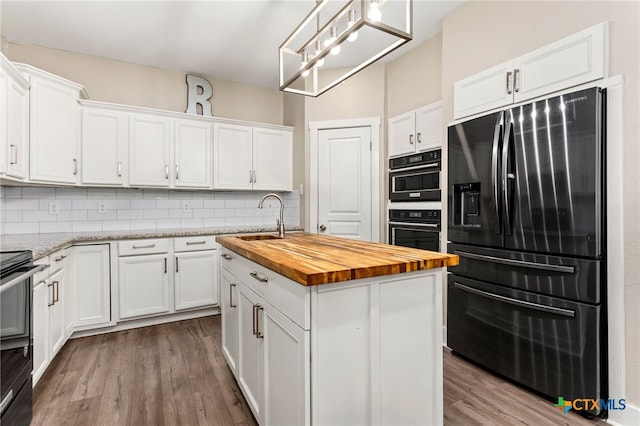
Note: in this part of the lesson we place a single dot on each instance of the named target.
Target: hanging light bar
(373, 29)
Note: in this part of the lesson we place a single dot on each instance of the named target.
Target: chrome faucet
(279, 222)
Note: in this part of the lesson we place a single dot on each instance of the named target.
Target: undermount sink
(258, 237)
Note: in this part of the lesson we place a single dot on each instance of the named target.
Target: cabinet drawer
(59, 260)
(135, 247)
(194, 243)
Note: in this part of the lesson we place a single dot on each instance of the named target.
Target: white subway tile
(233, 221)
(118, 204)
(251, 204)
(213, 204)
(168, 223)
(254, 221)
(156, 214)
(129, 194)
(156, 194)
(245, 212)
(29, 192)
(179, 195)
(224, 212)
(72, 215)
(64, 204)
(116, 225)
(143, 224)
(37, 216)
(11, 192)
(168, 204)
(179, 214)
(47, 227)
(130, 214)
(195, 204)
(20, 204)
(191, 223)
(84, 204)
(203, 212)
(143, 204)
(71, 193)
(203, 195)
(21, 228)
(213, 221)
(95, 226)
(233, 204)
(109, 215)
(11, 216)
(102, 194)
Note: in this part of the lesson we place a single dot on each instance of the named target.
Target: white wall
(481, 34)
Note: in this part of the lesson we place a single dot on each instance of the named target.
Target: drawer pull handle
(231, 304)
(6, 401)
(165, 265)
(52, 294)
(145, 246)
(177, 269)
(226, 256)
(259, 333)
(259, 277)
(195, 243)
(57, 288)
(59, 258)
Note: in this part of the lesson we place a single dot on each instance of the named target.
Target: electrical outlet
(54, 207)
(186, 207)
(102, 207)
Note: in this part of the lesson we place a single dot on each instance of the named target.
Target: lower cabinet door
(143, 285)
(41, 300)
(57, 326)
(91, 285)
(287, 384)
(251, 357)
(229, 308)
(196, 279)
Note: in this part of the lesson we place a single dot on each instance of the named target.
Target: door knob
(322, 228)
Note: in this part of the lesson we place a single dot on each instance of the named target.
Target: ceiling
(235, 40)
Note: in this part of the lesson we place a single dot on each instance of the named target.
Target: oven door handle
(408, 169)
(422, 225)
(514, 262)
(23, 276)
(516, 302)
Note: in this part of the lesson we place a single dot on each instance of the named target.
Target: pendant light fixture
(372, 28)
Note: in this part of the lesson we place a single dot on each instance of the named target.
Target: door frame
(314, 129)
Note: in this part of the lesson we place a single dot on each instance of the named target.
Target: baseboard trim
(627, 417)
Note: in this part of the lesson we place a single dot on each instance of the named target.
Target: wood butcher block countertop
(312, 259)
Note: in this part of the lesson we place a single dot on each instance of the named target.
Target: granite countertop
(44, 244)
(312, 259)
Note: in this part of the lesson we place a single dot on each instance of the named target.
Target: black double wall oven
(526, 203)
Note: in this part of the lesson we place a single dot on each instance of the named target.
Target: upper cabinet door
(192, 154)
(54, 131)
(149, 150)
(272, 160)
(103, 146)
(4, 140)
(17, 128)
(429, 127)
(484, 91)
(574, 60)
(402, 138)
(232, 152)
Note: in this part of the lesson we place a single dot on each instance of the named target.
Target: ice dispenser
(466, 204)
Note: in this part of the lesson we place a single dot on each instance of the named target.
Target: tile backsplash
(31, 210)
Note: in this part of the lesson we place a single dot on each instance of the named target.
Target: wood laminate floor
(175, 374)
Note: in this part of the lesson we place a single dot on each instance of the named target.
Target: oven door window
(416, 182)
(415, 238)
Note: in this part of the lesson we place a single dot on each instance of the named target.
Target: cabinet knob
(322, 228)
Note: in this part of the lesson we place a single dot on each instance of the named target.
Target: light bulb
(332, 37)
(374, 11)
(305, 61)
(335, 50)
(318, 50)
(352, 20)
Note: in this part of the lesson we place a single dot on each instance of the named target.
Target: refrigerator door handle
(522, 303)
(497, 136)
(506, 144)
(514, 262)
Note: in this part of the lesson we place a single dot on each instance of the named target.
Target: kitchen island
(324, 330)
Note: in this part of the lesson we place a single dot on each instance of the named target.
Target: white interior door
(344, 183)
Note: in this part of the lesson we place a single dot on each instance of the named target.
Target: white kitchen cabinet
(192, 154)
(14, 121)
(54, 127)
(195, 280)
(149, 150)
(251, 356)
(91, 286)
(248, 157)
(56, 312)
(230, 321)
(42, 296)
(104, 146)
(416, 131)
(573, 60)
(143, 285)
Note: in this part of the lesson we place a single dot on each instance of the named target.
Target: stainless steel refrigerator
(526, 202)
